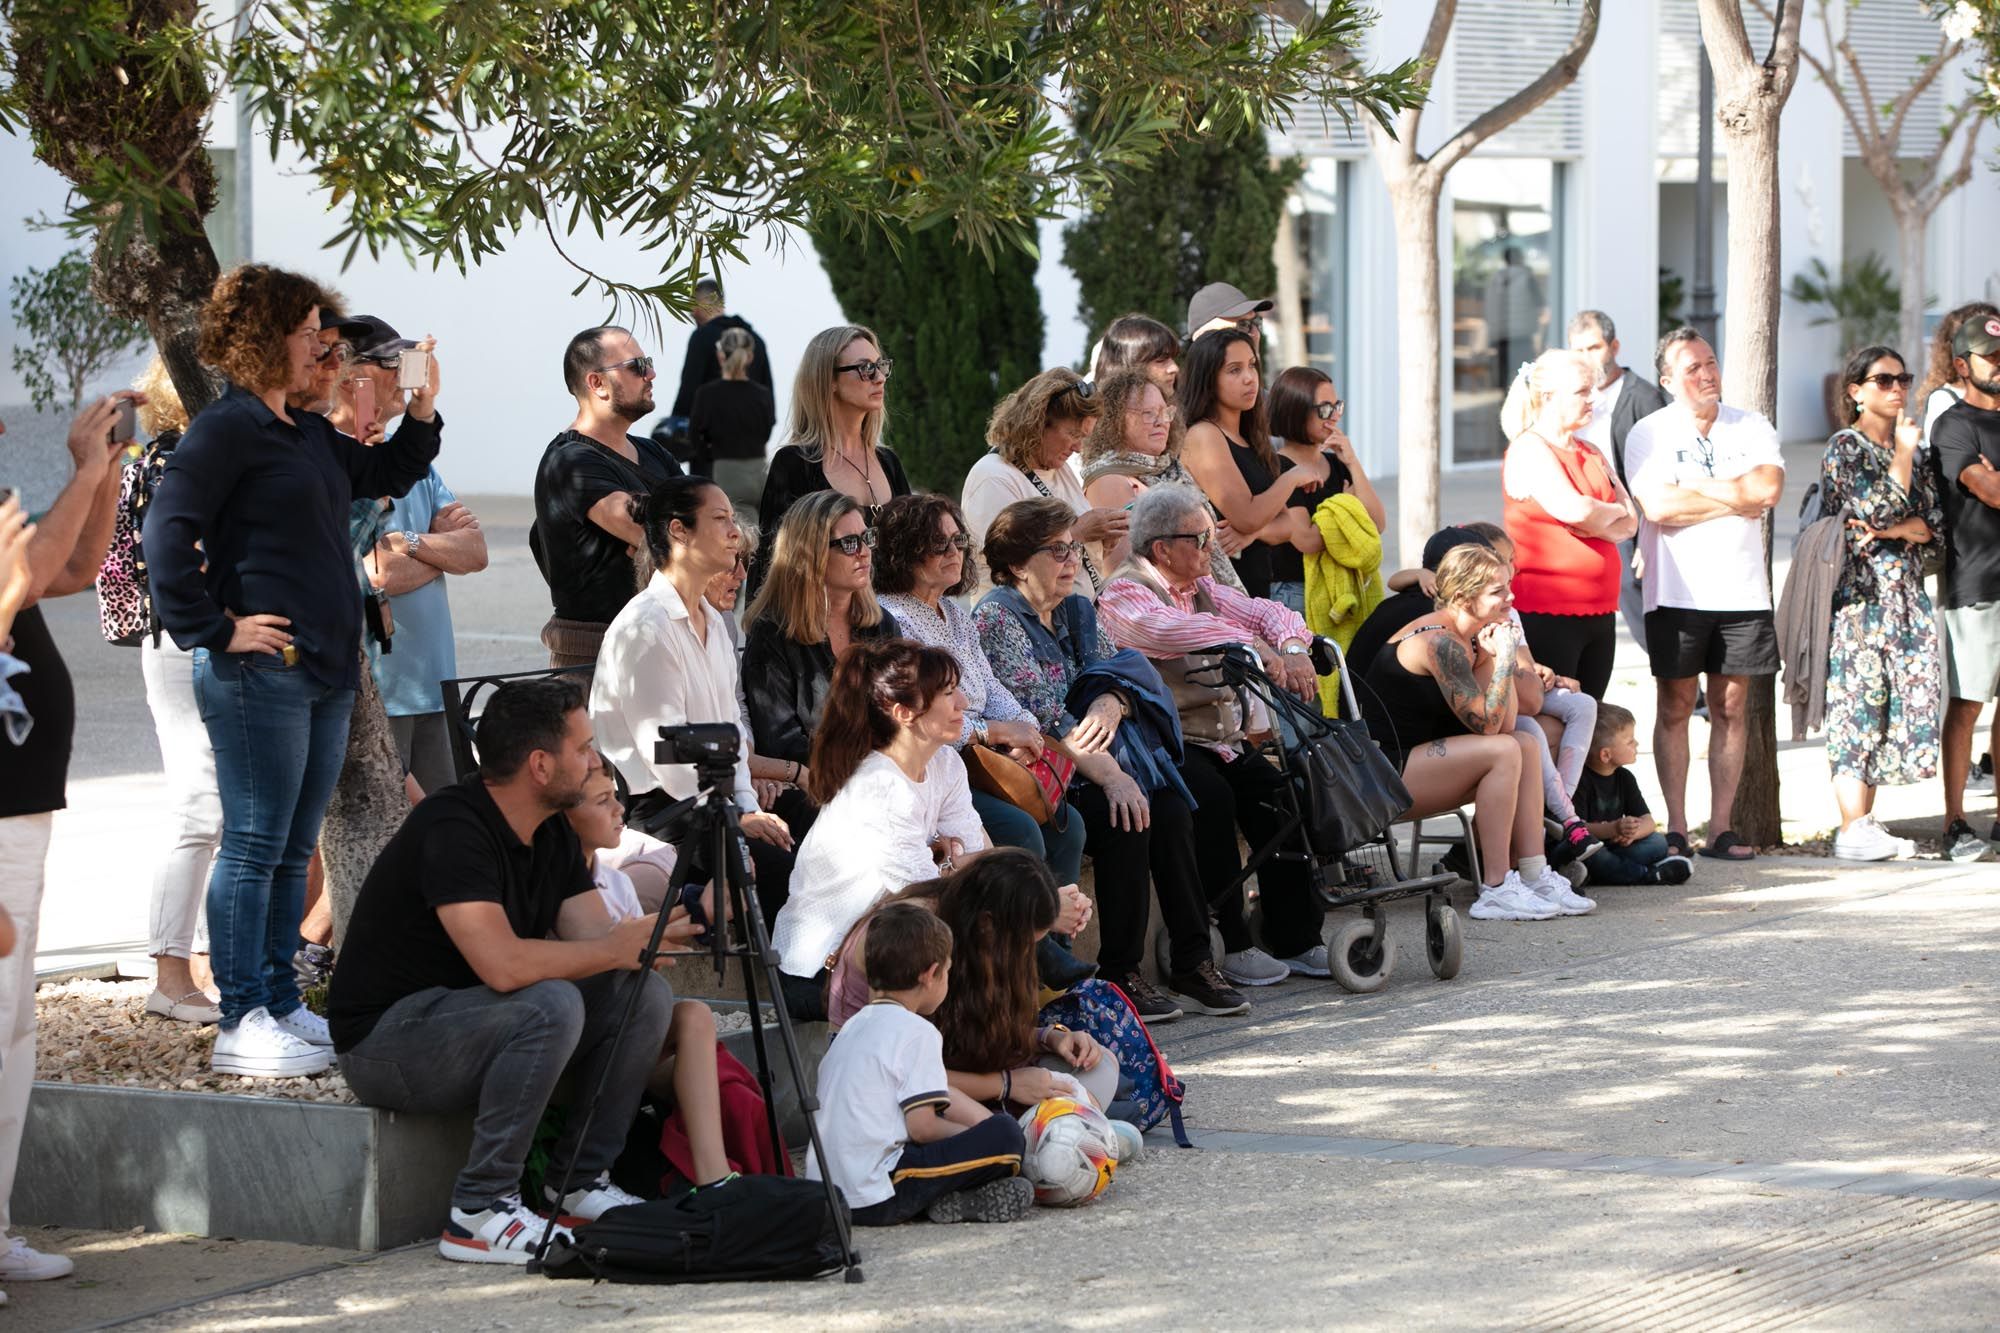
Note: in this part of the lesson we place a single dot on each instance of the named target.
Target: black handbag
(1353, 792)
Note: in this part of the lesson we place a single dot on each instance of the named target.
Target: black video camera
(711, 747)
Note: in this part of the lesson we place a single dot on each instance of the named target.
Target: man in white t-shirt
(1704, 475)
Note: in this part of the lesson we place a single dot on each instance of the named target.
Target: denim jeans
(445, 1050)
(280, 737)
(1010, 826)
(1612, 864)
(1290, 592)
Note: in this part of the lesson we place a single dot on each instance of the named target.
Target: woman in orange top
(1566, 512)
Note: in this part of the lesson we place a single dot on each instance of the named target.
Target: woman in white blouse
(667, 661)
(895, 808)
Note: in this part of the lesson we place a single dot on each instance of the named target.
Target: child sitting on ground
(899, 1139)
(1608, 797)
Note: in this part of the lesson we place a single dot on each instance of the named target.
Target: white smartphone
(413, 369)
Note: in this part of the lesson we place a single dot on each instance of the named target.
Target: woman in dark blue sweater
(271, 603)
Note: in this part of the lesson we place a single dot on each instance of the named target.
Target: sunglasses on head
(1083, 389)
(868, 371)
(1885, 381)
(639, 365)
(853, 542)
(1328, 411)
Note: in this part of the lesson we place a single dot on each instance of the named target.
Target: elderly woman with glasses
(835, 440)
(1135, 444)
(1033, 432)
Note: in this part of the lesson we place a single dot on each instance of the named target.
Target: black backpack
(750, 1228)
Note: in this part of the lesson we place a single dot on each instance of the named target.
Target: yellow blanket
(1343, 581)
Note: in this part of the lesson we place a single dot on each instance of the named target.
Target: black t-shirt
(732, 419)
(1964, 433)
(1253, 562)
(455, 847)
(589, 571)
(36, 771)
(1383, 624)
(1288, 563)
(1604, 796)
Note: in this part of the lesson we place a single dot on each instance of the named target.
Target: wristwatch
(414, 539)
(1296, 649)
(979, 732)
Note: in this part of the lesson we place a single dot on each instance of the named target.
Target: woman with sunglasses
(1884, 695)
(816, 602)
(835, 441)
(923, 561)
(1033, 432)
(1305, 427)
(1229, 449)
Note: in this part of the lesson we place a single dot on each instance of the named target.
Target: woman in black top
(1442, 706)
(1305, 427)
(732, 420)
(835, 441)
(1229, 452)
(271, 599)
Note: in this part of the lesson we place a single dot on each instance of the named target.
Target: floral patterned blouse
(1036, 664)
(951, 628)
(1854, 475)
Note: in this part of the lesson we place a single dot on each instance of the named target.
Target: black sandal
(1722, 845)
(1678, 845)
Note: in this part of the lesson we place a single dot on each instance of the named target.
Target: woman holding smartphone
(271, 602)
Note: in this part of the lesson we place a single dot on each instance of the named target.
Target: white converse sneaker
(259, 1048)
(1253, 967)
(506, 1233)
(20, 1262)
(1510, 900)
(1866, 840)
(589, 1202)
(1553, 887)
(307, 1026)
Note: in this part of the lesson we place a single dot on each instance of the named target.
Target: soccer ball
(1069, 1158)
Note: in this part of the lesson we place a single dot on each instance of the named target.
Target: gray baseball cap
(1219, 300)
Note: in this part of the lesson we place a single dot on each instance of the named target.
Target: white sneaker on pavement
(1553, 887)
(506, 1233)
(1129, 1143)
(21, 1262)
(259, 1048)
(592, 1200)
(1253, 967)
(1866, 840)
(307, 1026)
(1510, 900)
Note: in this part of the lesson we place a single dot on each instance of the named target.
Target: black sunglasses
(1200, 539)
(1083, 389)
(641, 365)
(853, 542)
(958, 541)
(1886, 381)
(1328, 411)
(869, 371)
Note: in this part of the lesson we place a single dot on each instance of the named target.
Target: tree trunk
(1418, 359)
(368, 804)
(164, 286)
(1911, 222)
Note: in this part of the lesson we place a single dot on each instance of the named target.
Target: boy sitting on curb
(1609, 801)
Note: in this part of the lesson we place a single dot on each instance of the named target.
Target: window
(1506, 253)
(1319, 228)
(222, 224)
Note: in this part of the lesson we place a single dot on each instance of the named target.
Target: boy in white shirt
(899, 1139)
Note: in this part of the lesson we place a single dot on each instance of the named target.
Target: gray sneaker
(996, 1201)
(1962, 844)
(1253, 967)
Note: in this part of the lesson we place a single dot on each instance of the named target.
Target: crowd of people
(943, 704)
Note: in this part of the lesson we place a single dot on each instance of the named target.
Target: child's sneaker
(506, 1233)
(996, 1201)
(1129, 1143)
(1673, 870)
(588, 1202)
(1574, 842)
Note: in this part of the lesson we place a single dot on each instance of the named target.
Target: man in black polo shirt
(450, 992)
(584, 536)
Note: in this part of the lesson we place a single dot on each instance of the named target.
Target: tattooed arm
(1486, 710)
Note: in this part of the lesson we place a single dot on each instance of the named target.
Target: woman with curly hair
(1136, 444)
(270, 600)
(1033, 432)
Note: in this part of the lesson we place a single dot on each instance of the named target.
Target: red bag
(746, 1134)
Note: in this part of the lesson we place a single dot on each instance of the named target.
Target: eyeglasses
(1200, 539)
(1252, 323)
(958, 541)
(341, 348)
(1886, 381)
(1328, 411)
(641, 366)
(1163, 417)
(1062, 553)
(852, 543)
(868, 371)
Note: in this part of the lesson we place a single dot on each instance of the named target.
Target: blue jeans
(1612, 864)
(1290, 592)
(1010, 826)
(280, 737)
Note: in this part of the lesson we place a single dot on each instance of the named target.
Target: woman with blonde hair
(1032, 433)
(1442, 707)
(835, 438)
(731, 421)
(1565, 511)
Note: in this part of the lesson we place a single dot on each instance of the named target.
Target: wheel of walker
(1444, 942)
(1357, 962)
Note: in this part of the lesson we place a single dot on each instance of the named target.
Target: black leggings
(1160, 858)
(1580, 647)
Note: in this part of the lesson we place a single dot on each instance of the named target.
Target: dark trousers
(1239, 794)
(1631, 864)
(1160, 858)
(926, 1172)
(445, 1050)
(1580, 647)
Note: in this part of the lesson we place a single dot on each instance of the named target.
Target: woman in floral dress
(1883, 678)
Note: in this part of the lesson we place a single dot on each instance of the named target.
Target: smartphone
(127, 424)
(413, 369)
(364, 407)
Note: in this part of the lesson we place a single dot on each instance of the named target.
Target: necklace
(866, 472)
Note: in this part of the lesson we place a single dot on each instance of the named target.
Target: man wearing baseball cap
(1220, 306)
(1965, 449)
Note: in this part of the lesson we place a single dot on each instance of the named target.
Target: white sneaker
(1510, 900)
(1978, 781)
(1253, 967)
(590, 1202)
(1866, 840)
(307, 1026)
(259, 1048)
(1553, 887)
(1127, 1142)
(1311, 963)
(506, 1233)
(20, 1262)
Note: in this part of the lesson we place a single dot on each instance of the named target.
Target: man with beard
(584, 534)
(1618, 402)
(451, 995)
(1965, 447)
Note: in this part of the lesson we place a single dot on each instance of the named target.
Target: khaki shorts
(1972, 650)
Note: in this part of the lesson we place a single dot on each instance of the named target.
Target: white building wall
(1615, 255)
(1811, 172)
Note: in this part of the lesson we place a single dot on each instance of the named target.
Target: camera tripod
(707, 828)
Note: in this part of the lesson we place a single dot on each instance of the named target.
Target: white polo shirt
(1717, 564)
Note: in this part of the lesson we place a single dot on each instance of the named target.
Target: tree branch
(1947, 51)
(1938, 189)
(1553, 80)
(1727, 42)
